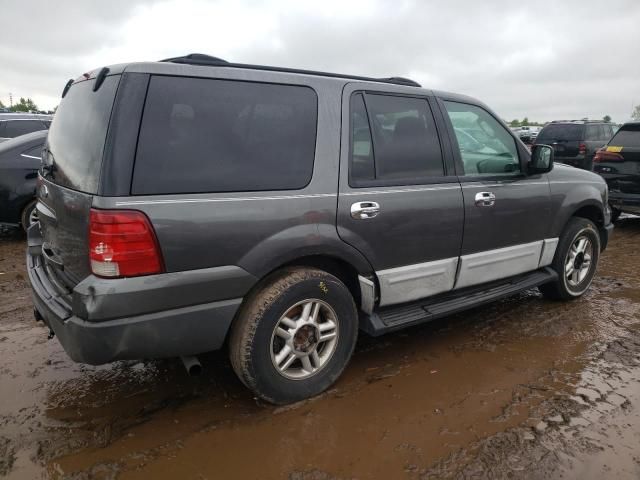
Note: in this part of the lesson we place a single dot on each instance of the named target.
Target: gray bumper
(188, 329)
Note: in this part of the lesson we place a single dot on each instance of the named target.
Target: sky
(542, 59)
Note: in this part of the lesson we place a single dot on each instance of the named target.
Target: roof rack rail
(208, 60)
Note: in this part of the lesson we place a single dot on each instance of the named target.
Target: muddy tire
(29, 215)
(575, 260)
(294, 336)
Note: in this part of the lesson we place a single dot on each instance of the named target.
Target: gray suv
(193, 204)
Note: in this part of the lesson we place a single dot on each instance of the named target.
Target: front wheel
(294, 336)
(575, 260)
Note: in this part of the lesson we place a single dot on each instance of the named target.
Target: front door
(507, 212)
(400, 203)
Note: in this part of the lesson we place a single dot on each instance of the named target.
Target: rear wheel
(575, 260)
(29, 215)
(294, 336)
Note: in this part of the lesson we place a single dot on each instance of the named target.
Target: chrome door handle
(485, 199)
(364, 210)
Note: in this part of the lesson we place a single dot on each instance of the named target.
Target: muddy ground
(524, 388)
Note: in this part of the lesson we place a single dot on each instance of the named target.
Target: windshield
(77, 135)
(560, 133)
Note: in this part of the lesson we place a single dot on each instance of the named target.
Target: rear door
(73, 159)
(507, 213)
(620, 165)
(400, 203)
(565, 138)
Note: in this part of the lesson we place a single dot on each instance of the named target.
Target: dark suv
(192, 204)
(575, 142)
(619, 163)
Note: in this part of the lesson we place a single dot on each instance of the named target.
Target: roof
(25, 116)
(24, 140)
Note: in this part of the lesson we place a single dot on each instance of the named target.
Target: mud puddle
(521, 388)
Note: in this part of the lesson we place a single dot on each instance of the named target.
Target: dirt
(524, 388)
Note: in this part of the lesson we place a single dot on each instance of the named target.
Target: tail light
(603, 156)
(122, 243)
(582, 149)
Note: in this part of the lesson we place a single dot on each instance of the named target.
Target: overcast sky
(543, 59)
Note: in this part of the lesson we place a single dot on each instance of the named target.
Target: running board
(395, 317)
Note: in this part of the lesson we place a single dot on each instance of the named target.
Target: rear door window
(15, 128)
(394, 141)
(560, 133)
(204, 135)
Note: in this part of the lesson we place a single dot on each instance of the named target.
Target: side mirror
(541, 159)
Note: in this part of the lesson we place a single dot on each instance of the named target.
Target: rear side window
(393, 141)
(76, 138)
(628, 136)
(560, 133)
(204, 135)
(15, 128)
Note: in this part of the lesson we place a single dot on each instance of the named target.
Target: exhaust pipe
(192, 365)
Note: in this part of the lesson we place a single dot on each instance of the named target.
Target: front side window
(207, 135)
(394, 141)
(486, 147)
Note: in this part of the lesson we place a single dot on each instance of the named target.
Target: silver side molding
(549, 247)
(412, 282)
(367, 294)
(491, 265)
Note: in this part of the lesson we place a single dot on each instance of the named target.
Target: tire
(615, 214)
(27, 218)
(571, 285)
(258, 348)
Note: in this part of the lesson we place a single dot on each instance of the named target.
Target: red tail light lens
(582, 149)
(122, 243)
(604, 156)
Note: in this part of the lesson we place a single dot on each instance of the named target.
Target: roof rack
(582, 120)
(207, 60)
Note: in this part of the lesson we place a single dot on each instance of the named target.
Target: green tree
(525, 121)
(1, 104)
(25, 105)
(607, 118)
(635, 115)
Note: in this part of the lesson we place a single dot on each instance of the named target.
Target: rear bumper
(625, 202)
(166, 332)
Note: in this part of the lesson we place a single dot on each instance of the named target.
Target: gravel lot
(524, 388)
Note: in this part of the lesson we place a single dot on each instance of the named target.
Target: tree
(525, 121)
(514, 123)
(25, 105)
(635, 115)
(606, 118)
(1, 104)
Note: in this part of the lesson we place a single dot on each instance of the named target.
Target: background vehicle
(528, 134)
(575, 141)
(279, 211)
(619, 163)
(20, 160)
(15, 124)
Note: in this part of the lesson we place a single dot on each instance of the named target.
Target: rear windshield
(77, 135)
(561, 133)
(206, 135)
(627, 136)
